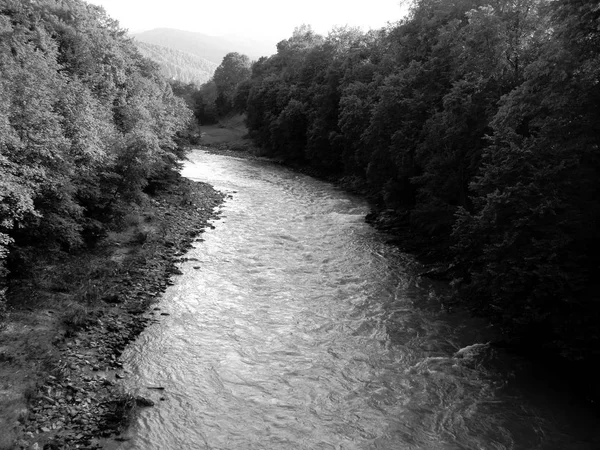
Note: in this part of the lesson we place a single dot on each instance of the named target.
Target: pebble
(76, 407)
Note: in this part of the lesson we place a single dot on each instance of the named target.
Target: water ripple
(302, 329)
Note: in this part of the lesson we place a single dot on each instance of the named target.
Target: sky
(267, 20)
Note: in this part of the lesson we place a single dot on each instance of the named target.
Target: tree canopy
(476, 121)
(85, 123)
(231, 73)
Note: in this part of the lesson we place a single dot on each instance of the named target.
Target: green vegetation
(476, 122)
(178, 65)
(231, 73)
(223, 95)
(211, 48)
(86, 124)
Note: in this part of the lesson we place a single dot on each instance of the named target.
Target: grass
(60, 294)
(78, 317)
(229, 130)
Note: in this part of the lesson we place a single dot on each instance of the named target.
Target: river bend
(295, 326)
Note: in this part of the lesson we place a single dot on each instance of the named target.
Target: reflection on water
(302, 329)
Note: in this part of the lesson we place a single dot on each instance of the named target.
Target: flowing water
(295, 326)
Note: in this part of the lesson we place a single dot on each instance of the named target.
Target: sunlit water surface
(298, 327)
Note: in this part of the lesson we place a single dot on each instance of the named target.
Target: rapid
(295, 325)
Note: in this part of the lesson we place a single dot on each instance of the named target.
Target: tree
(85, 123)
(476, 120)
(528, 247)
(231, 73)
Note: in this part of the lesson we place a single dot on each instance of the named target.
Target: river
(296, 326)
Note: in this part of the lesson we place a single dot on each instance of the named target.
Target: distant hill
(208, 47)
(178, 65)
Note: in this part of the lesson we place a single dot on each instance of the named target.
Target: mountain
(178, 65)
(211, 48)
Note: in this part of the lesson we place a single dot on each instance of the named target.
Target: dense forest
(223, 94)
(476, 123)
(178, 65)
(473, 122)
(86, 124)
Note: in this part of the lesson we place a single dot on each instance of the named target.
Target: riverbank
(71, 319)
(576, 378)
(229, 138)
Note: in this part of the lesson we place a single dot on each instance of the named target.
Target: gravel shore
(60, 360)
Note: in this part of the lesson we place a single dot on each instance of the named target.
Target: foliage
(231, 73)
(478, 121)
(177, 65)
(532, 231)
(85, 122)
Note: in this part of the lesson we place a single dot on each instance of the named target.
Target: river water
(295, 326)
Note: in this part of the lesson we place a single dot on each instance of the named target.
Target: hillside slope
(178, 65)
(211, 48)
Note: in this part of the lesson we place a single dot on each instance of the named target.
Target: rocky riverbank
(60, 348)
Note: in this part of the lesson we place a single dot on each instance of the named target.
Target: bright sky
(261, 19)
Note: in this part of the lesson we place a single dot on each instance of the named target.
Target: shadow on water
(305, 330)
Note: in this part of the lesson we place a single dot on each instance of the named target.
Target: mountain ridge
(211, 48)
(179, 65)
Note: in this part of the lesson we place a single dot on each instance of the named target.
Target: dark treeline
(478, 123)
(223, 94)
(86, 124)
